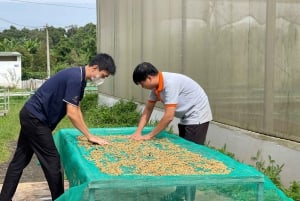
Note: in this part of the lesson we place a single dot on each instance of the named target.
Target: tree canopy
(70, 46)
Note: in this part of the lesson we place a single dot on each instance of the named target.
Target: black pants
(195, 133)
(35, 137)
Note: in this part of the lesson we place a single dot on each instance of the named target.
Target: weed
(293, 191)
(222, 150)
(271, 169)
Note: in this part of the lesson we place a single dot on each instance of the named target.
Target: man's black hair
(142, 71)
(104, 62)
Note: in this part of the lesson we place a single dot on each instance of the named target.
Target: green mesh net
(164, 169)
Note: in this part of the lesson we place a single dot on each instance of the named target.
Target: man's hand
(147, 137)
(98, 140)
(139, 136)
(136, 136)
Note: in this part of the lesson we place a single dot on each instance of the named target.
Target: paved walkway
(33, 191)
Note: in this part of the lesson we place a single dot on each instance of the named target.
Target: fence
(4, 101)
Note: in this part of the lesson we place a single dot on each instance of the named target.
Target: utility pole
(48, 54)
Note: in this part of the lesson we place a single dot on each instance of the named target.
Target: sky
(33, 14)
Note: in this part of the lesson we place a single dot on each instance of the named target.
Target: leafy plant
(293, 191)
(271, 169)
(121, 114)
(222, 150)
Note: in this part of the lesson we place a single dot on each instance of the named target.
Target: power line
(52, 4)
(62, 4)
(21, 25)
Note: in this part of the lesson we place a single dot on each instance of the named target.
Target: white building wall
(11, 71)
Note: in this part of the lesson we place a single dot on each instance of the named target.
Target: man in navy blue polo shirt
(58, 96)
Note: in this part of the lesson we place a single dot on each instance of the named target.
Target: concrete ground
(33, 191)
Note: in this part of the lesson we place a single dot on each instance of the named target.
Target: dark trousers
(195, 133)
(35, 137)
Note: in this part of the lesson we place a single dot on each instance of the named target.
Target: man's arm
(75, 115)
(163, 123)
(143, 120)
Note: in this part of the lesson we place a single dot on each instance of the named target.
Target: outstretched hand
(98, 140)
(139, 136)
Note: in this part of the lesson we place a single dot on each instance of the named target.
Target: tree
(68, 47)
(8, 45)
(31, 45)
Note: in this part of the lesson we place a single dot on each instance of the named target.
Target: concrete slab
(34, 191)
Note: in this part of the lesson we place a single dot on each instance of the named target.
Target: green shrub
(271, 169)
(293, 191)
(121, 114)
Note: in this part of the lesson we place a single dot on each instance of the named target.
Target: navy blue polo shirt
(49, 102)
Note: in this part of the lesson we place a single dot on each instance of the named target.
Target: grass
(10, 127)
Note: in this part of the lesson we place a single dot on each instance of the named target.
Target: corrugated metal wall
(244, 53)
